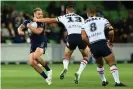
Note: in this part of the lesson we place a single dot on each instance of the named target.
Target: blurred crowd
(124, 30)
(55, 32)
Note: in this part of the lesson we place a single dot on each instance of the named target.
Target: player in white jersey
(73, 24)
(93, 32)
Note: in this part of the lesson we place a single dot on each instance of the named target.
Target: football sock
(65, 63)
(43, 75)
(47, 67)
(101, 73)
(115, 73)
(82, 66)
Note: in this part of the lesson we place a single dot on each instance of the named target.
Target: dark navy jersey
(37, 39)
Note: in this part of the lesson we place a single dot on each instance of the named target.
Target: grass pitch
(24, 77)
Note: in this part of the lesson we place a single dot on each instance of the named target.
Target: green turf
(24, 77)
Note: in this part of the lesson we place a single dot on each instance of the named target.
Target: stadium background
(15, 47)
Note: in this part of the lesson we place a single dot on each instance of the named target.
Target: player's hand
(35, 19)
(109, 44)
(28, 25)
(21, 33)
(26, 22)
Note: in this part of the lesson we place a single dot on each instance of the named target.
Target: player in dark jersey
(73, 24)
(38, 44)
(93, 32)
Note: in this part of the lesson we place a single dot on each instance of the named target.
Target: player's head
(91, 12)
(38, 13)
(70, 9)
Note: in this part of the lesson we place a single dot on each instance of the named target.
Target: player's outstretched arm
(45, 20)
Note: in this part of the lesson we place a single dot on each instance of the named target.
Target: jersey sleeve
(60, 19)
(84, 27)
(106, 22)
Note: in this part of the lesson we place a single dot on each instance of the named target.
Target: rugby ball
(34, 25)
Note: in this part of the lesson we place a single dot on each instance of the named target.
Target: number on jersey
(75, 19)
(93, 27)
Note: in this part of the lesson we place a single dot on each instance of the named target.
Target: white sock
(115, 73)
(65, 63)
(101, 73)
(82, 66)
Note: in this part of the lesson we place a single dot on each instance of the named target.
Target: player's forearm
(20, 28)
(47, 20)
(35, 30)
(111, 35)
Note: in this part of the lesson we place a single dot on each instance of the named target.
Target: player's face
(38, 14)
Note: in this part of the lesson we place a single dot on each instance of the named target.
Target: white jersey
(94, 27)
(72, 22)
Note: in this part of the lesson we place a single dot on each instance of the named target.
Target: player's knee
(67, 56)
(36, 56)
(85, 54)
(111, 62)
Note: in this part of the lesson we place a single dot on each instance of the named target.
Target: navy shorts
(100, 49)
(74, 40)
(42, 45)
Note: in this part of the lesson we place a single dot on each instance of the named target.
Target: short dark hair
(91, 11)
(70, 7)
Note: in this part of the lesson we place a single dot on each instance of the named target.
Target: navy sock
(47, 68)
(43, 75)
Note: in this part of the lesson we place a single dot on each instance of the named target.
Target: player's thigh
(38, 52)
(108, 54)
(110, 59)
(72, 41)
(71, 45)
(68, 52)
(85, 52)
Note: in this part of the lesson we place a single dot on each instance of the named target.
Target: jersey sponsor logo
(73, 26)
(95, 34)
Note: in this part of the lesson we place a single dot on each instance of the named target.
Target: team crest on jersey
(42, 25)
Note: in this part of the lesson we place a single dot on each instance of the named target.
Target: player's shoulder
(87, 20)
(61, 16)
(79, 16)
(103, 18)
